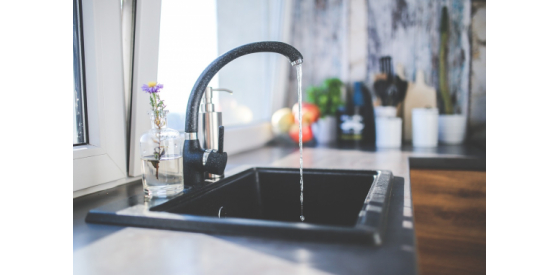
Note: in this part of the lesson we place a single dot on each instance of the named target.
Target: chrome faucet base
(191, 136)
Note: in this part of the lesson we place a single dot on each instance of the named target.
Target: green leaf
(328, 96)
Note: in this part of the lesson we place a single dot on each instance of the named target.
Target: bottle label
(351, 127)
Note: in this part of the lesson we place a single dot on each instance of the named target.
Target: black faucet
(196, 160)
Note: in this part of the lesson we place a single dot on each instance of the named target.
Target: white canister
(388, 132)
(385, 111)
(425, 127)
(452, 129)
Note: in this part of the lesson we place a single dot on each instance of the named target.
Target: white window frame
(145, 66)
(101, 163)
(146, 51)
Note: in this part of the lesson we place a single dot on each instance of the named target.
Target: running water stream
(299, 76)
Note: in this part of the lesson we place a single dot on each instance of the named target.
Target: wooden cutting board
(418, 95)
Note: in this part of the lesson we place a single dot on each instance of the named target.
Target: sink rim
(369, 227)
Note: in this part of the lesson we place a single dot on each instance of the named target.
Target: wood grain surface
(450, 219)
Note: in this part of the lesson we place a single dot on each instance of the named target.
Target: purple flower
(152, 87)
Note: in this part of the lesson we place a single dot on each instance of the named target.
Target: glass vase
(162, 158)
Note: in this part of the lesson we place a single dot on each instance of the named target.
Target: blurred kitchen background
(338, 39)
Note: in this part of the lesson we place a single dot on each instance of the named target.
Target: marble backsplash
(345, 38)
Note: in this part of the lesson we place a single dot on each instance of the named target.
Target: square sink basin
(338, 205)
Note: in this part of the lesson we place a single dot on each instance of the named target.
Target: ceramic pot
(388, 132)
(385, 111)
(424, 127)
(324, 130)
(452, 129)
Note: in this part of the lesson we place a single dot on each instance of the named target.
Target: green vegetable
(328, 96)
(443, 47)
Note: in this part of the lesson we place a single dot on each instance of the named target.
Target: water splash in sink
(299, 76)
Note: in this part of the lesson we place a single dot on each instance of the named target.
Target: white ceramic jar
(425, 127)
(388, 132)
(452, 129)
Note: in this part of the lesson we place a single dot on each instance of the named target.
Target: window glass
(194, 33)
(249, 77)
(188, 43)
(79, 118)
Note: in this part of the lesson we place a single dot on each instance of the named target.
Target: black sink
(339, 205)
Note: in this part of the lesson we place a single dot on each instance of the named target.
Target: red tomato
(309, 112)
(306, 133)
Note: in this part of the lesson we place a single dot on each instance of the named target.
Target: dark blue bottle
(355, 121)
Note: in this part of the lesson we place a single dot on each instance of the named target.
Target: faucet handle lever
(221, 139)
(215, 162)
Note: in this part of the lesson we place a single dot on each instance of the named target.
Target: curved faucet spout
(191, 123)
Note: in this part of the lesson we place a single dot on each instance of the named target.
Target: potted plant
(328, 97)
(452, 124)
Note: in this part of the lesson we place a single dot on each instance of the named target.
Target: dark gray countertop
(104, 249)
